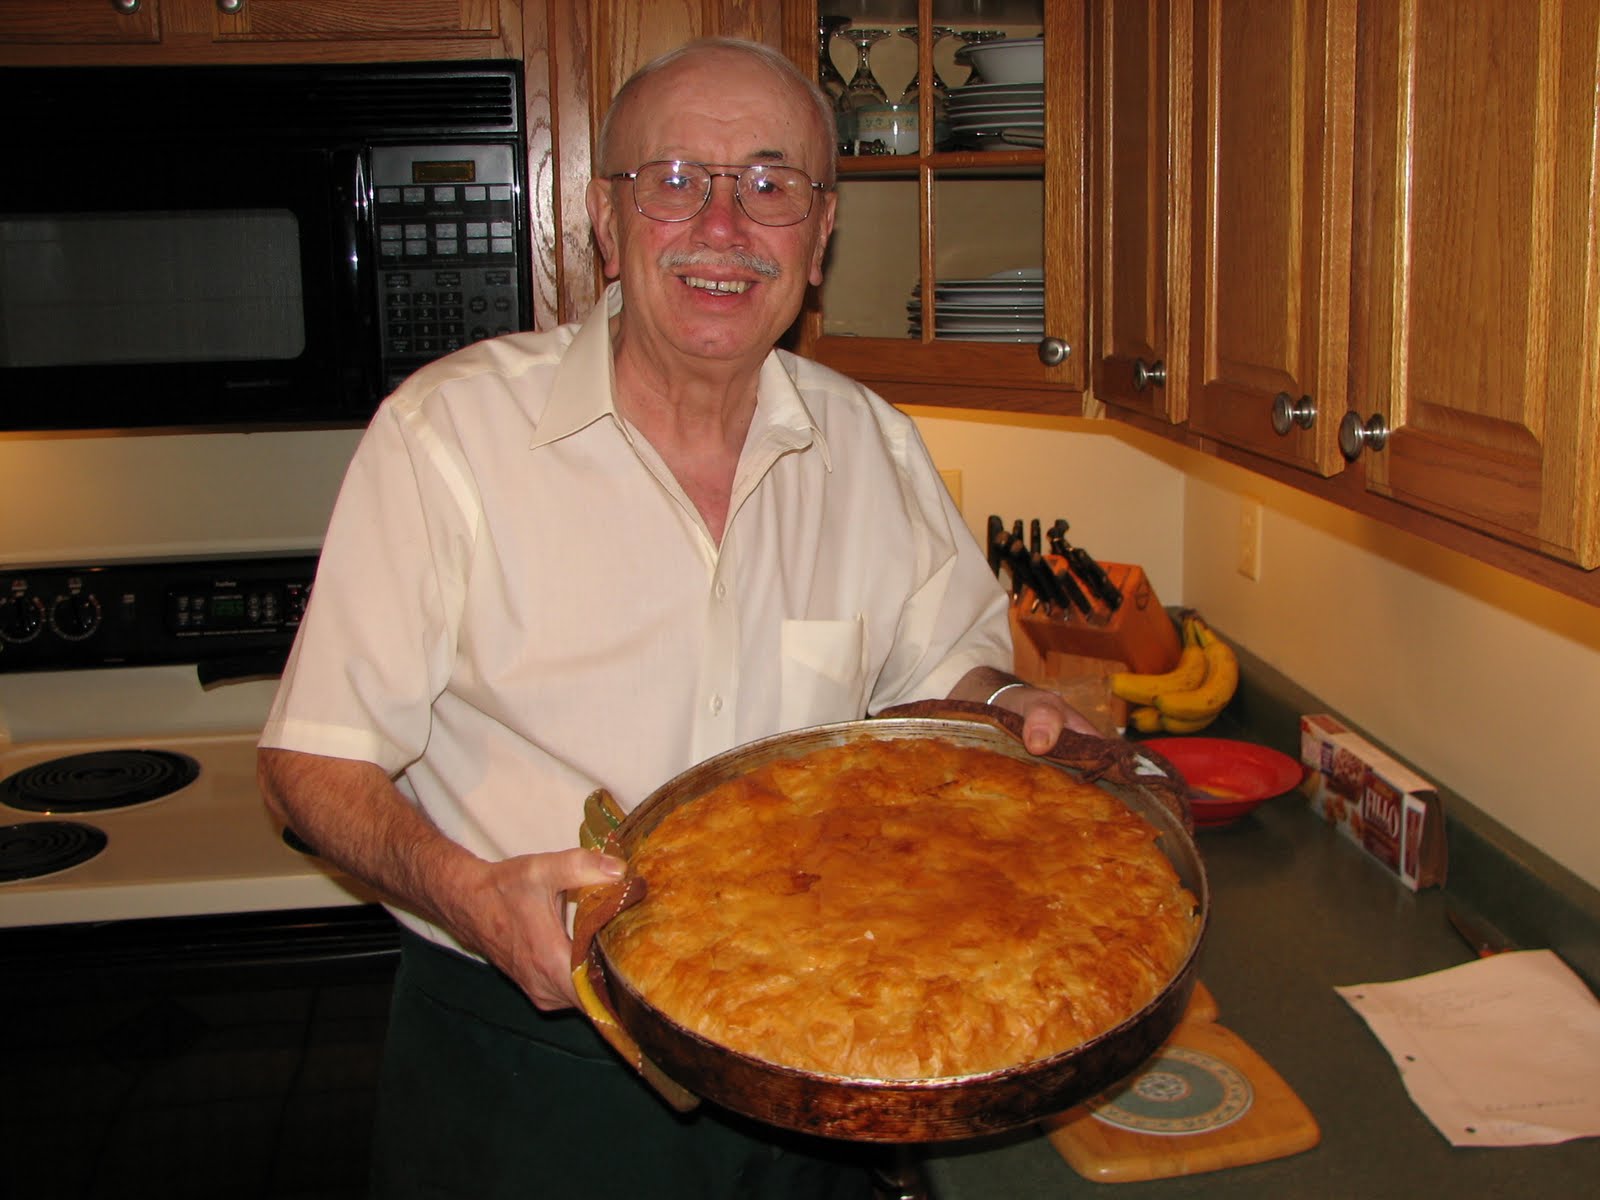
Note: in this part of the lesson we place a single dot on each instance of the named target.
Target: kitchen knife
(1087, 569)
(1054, 596)
(1478, 933)
(1022, 570)
(996, 543)
(1035, 537)
(1069, 588)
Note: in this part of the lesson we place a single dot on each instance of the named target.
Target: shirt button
(722, 590)
(716, 705)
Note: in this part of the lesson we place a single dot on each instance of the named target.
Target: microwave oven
(251, 246)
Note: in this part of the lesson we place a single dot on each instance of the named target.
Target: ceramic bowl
(1227, 779)
(1007, 60)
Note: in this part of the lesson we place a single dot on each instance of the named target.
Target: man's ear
(603, 220)
(830, 203)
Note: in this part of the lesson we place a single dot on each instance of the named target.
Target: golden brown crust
(903, 909)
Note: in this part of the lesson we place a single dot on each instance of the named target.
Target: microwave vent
(388, 102)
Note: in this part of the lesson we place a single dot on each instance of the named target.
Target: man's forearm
(356, 818)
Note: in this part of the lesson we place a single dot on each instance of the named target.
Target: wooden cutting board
(1205, 1101)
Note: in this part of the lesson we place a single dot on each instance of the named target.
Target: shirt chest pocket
(824, 667)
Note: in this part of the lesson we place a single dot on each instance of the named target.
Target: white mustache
(737, 259)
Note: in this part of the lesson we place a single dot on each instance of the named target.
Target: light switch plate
(1250, 538)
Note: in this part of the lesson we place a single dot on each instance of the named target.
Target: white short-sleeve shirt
(516, 603)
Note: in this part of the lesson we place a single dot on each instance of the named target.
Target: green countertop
(1296, 911)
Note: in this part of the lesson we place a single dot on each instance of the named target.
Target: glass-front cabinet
(957, 271)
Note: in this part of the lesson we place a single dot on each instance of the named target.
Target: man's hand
(520, 924)
(1044, 714)
(511, 912)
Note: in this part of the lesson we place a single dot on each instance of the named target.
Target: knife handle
(1053, 595)
(1094, 577)
(1070, 589)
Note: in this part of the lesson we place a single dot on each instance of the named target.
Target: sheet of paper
(1503, 1051)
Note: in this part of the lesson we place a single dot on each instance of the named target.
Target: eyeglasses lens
(677, 191)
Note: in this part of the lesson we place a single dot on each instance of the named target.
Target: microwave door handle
(356, 283)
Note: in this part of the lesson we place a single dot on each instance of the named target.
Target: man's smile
(732, 287)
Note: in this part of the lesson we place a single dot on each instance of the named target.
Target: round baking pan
(895, 1110)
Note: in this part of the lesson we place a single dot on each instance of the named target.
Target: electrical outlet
(952, 483)
(1250, 538)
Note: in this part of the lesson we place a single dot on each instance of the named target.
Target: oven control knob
(75, 616)
(21, 617)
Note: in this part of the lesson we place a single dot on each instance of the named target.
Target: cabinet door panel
(915, 227)
(1484, 275)
(292, 20)
(1272, 295)
(80, 23)
(1143, 109)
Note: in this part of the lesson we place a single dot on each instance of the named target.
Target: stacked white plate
(1007, 306)
(997, 116)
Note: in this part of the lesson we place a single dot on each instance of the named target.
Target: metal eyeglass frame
(712, 175)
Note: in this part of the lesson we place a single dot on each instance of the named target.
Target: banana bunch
(1187, 698)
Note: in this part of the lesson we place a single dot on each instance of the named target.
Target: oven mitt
(1094, 758)
(596, 906)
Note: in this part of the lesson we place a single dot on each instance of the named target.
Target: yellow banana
(1142, 689)
(1204, 702)
(1146, 718)
(1179, 725)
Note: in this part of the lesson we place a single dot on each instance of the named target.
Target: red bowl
(1227, 779)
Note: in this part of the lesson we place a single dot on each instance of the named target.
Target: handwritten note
(1503, 1051)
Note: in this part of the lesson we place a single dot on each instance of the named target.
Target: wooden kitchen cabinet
(81, 22)
(907, 221)
(1275, 112)
(289, 20)
(1142, 202)
(1480, 335)
(134, 32)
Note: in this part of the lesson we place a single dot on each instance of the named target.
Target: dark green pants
(483, 1096)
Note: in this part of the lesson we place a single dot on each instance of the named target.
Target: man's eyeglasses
(677, 191)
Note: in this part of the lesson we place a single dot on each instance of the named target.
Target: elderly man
(595, 556)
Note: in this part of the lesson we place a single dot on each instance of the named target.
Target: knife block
(1139, 632)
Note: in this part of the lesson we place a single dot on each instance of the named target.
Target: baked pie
(902, 909)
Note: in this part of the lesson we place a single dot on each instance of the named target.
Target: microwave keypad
(447, 256)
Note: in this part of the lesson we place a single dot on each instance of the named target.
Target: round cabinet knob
(1053, 352)
(1148, 375)
(126, 7)
(230, 6)
(1355, 434)
(1287, 412)
(75, 617)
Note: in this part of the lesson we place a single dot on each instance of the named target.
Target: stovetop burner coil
(98, 780)
(36, 848)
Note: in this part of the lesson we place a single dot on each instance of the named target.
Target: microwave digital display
(455, 171)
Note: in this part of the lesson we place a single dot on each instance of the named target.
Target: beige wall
(99, 497)
(1488, 684)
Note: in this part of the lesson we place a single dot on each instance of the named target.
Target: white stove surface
(210, 847)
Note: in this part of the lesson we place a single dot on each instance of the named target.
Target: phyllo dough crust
(902, 909)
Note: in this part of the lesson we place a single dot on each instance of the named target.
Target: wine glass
(940, 89)
(976, 37)
(831, 82)
(828, 76)
(863, 88)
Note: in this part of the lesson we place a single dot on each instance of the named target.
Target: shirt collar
(583, 391)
